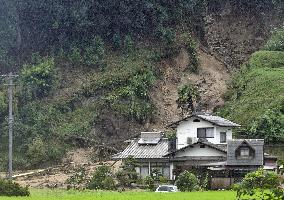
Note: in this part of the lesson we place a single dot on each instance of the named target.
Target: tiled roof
(220, 147)
(210, 118)
(144, 150)
(255, 144)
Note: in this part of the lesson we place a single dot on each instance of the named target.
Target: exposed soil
(210, 80)
(56, 177)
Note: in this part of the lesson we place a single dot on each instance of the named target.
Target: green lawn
(86, 195)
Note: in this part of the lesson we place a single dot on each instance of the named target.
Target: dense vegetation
(86, 61)
(9, 188)
(260, 184)
(256, 99)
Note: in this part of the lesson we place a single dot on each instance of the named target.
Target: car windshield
(164, 188)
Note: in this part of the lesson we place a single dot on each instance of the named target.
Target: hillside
(91, 78)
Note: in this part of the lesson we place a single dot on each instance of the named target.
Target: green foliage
(75, 55)
(95, 53)
(191, 46)
(39, 78)
(116, 41)
(187, 94)
(269, 126)
(102, 179)
(128, 44)
(125, 87)
(270, 59)
(36, 152)
(150, 183)
(187, 181)
(260, 184)
(128, 174)
(9, 188)
(276, 42)
(77, 178)
(8, 34)
(260, 82)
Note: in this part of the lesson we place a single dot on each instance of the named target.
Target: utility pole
(10, 77)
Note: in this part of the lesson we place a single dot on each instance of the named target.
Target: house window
(244, 152)
(223, 137)
(196, 120)
(202, 146)
(205, 132)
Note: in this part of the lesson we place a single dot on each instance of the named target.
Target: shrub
(187, 94)
(77, 178)
(9, 188)
(187, 181)
(260, 184)
(40, 78)
(128, 44)
(128, 174)
(94, 54)
(36, 152)
(102, 179)
(276, 42)
(191, 47)
(75, 55)
(150, 183)
(168, 38)
(269, 126)
(116, 41)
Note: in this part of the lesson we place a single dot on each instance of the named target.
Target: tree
(187, 181)
(39, 78)
(187, 95)
(128, 174)
(260, 184)
(102, 179)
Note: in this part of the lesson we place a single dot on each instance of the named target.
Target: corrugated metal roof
(210, 118)
(137, 150)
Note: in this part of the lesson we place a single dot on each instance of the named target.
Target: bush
(187, 95)
(77, 178)
(128, 174)
(102, 179)
(187, 182)
(260, 184)
(39, 78)
(9, 188)
(276, 42)
(191, 47)
(94, 54)
(150, 183)
(36, 152)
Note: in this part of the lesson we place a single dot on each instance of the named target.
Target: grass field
(89, 195)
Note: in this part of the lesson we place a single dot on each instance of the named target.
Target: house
(203, 142)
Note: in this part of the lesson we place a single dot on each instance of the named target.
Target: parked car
(167, 188)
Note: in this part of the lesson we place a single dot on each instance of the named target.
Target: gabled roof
(255, 144)
(216, 120)
(145, 151)
(219, 147)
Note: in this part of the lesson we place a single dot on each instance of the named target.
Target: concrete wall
(188, 129)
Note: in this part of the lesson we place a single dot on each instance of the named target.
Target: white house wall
(188, 129)
(196, 151)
